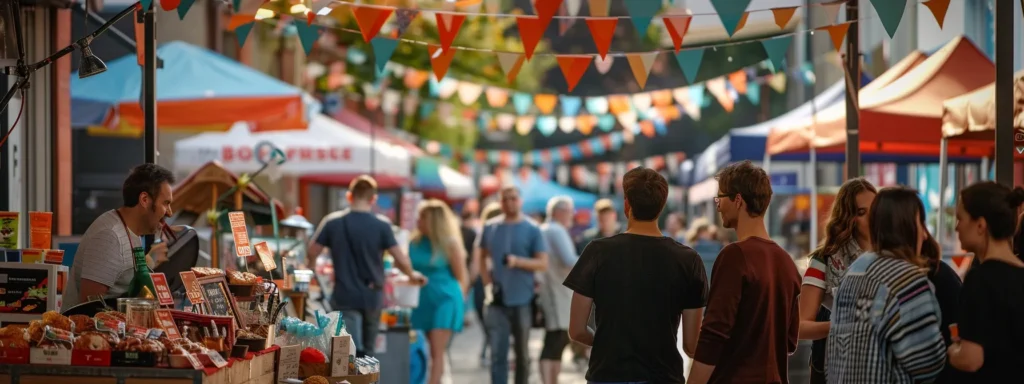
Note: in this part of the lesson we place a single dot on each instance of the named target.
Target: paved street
(465, 365)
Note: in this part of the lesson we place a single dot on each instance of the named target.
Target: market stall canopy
(973, 115)
(535, 192)
(748, 143)
(432, 176)
(797, 136)
(197, 89)
(194, 193)
(326, 147)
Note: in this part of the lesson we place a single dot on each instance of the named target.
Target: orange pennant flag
(546, 102)
(677, 27)
(738, 80)
(837, 33)
(647, 128)
(370, 19)
(440, 60)
(238, 20)
(602, 29)
(546, 10)
(530, 31)
(585, 123)
(938, 8)
(742, 23)
(573, 67)
(448, 25)
(511, 63)
(783, 16)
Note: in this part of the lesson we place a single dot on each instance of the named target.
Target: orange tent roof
(973, 115)
(909, 109)
(798, 137)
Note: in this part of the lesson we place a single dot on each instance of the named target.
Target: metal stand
(1005, 16)
(148, 96)
(853, 91)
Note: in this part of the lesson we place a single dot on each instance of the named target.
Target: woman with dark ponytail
(991, 321)
(947, 286)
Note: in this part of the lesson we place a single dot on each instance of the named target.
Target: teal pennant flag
(642, 12)
(383, 48)
(547, 125)
(183, 8)
(776, 49)
(308, 34)
(522, 102)
(689, 60)
(242, 33)
(890, 12)
(237, 4)
(146, 4)
(730, 12)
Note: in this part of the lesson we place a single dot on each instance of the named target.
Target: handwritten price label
(266, 256)
(163, 292)
(192, 288)
(240, 233)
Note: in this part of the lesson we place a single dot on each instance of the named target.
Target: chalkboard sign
(218, 298)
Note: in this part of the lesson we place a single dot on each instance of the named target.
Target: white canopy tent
(457, 185)
(326, 147)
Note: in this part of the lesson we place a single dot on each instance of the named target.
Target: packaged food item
(92, 341)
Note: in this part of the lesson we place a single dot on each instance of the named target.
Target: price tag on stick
(266, 256)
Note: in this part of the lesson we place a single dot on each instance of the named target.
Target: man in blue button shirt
(512, 249)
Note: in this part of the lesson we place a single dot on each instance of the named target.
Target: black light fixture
(90, 65)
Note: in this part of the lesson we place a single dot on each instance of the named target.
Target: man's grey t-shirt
(357, 241)
(105, 256)
(521, 238)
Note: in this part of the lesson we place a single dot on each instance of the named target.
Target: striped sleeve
(815, 274)
(915, 337)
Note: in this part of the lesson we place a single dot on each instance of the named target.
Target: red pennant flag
(168, 5)
(677, 27)
(602, 29)
(448, 25)
(530, 31)
(370, 19)
(440, 60)
(573, 68)
(311, 16)
(546, 10)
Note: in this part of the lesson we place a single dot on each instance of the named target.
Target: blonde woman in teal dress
(437, 251)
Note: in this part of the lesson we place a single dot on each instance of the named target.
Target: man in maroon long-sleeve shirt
(752, 318)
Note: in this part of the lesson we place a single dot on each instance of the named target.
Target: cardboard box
(50, 356)
(372, 378)
(14, 356)
(90, 358)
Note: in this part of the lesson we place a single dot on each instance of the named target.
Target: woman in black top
(991, 321)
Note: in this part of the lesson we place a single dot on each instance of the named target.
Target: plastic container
(406, 295)
(302, 279)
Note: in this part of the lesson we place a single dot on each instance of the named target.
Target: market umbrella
(433, 176)
(197, 89)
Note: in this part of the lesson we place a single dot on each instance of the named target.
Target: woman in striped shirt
(885, 319)
(846, 237)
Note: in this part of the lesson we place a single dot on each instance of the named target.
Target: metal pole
(853, 91)
(940, 228)
(149, 90)
(1005, 17)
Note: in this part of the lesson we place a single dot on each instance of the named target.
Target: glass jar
(139, 312)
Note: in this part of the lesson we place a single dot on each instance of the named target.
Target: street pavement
(465, 367)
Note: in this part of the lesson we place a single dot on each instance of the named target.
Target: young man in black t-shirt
(643, 285)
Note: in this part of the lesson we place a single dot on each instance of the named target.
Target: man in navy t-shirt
(512, 249)
(357, 239)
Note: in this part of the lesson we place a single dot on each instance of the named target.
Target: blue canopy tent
(535, 193)
(196, 89)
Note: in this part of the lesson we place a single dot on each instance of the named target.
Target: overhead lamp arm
(24, 71)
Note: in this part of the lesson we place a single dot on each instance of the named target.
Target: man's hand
(157, 254)
(417, 278)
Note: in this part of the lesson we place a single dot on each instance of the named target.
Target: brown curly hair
(841, 225)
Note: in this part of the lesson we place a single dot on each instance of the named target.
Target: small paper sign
(166, 322)
(217, 359)
(288, 362)
(266, 256)
(163, 292)
(154, 334)
(240, 233)
(54, 256)
(192, 289)
(192, 359)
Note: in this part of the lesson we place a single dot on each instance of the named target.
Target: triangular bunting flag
(837, 33)
(938, 8)
(440, 60)
(783, 16)
(448, 25)
(730, 12)
(677, 27)
(602, 29)
(832, 10)
(238, 20)
(738, 81)
(641, 64)
(383, 48)
(742, 23)
(370, 19)
(148, 3)
(510, 63)
(642, 12)
(184, 7)
(235, 5)
(310, 17)
(604, 65)
(530, 31)
(168, 5)
(573, 67)
(776, 49)
(890, 12)
(570, 8)
(308, 34)
(546, 10)
(404, 18)
(689, 60)
(242, 32)
(599, 8)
